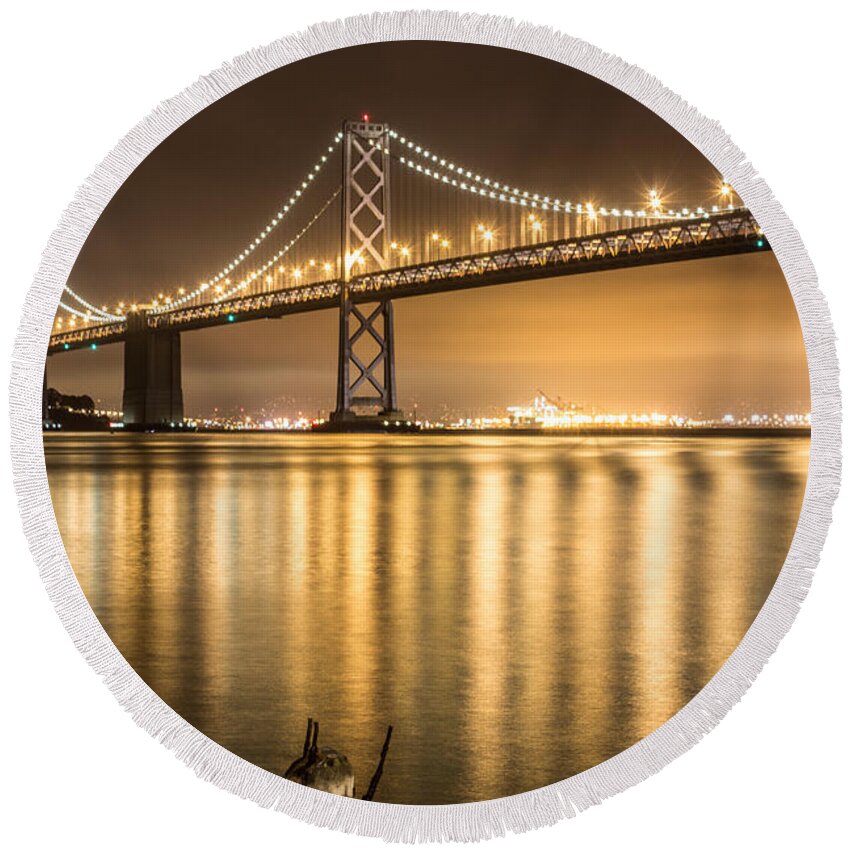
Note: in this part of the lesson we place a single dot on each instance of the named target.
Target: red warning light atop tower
(366, 117)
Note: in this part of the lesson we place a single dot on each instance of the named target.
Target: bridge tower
(153, 388)
(365, 329)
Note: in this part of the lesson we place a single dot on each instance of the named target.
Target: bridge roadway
(718, 235)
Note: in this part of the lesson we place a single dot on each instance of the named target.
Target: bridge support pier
(153, 389)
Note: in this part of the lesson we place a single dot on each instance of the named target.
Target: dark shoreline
(500, 432)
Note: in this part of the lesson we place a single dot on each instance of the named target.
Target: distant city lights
(542, 413)
(545, 413)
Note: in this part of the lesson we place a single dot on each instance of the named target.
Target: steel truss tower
(365, 329)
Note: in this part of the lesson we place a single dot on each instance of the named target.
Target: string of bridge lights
(243, 284)
(466, 180)
(94, 314)
(223, 295)
(76, 313)
(91, 307)
(259, 239)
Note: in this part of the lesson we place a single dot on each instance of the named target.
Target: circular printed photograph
(426, 423)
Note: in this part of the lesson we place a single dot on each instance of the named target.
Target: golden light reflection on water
(519, 608)
(488, 628)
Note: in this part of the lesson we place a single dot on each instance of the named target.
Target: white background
(77, 76)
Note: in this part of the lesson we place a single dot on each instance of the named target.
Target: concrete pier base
(353, 423)
(153, 389)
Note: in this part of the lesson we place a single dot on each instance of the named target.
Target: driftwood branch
(308, 739)
(376, 777)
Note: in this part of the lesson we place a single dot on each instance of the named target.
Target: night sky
(704, 337)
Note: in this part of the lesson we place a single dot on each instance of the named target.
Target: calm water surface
(519, 608)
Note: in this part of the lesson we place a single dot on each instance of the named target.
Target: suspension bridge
(379, 217)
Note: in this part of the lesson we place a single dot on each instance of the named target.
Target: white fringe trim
(468, 821)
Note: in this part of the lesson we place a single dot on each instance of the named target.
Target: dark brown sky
(707, 336)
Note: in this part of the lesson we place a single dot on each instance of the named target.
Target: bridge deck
(687, 239)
